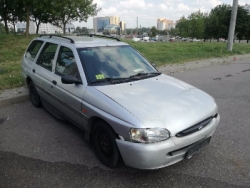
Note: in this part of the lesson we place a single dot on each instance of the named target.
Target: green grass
(162, 53)
(12, 48)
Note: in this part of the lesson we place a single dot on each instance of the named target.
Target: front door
(69, 96)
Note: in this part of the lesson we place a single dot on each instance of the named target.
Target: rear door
(42, 71)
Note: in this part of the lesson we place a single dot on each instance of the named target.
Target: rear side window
(33, 49)
(47, 56)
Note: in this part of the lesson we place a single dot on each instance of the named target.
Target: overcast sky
(149, 10)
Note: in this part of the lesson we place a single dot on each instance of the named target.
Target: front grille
(196, 127)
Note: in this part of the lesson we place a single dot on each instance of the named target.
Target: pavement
(21, 94)
(38, 150)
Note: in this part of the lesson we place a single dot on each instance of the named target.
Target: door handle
(54, 82)
(34, 70)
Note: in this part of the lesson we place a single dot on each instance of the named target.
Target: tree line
(214, 25)
(56, 12)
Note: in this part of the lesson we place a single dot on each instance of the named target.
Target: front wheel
(34, 96)
(105, 146)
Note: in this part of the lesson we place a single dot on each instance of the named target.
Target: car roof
(83, 41)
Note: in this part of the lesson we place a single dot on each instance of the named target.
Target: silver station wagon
(128, 110)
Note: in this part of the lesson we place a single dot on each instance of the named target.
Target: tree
(85, 30)
(196, 23)
(17, 13)
(6, 8)
(174, 32)
(41, 12)
(163, 32)
(220, 17)
(78, 30)
(26, 7)
(184, 27)
(2, 30)
(192, 26)
(208, 28)
(247, 28)
(153, 31)
(66, 11)
(242, 23)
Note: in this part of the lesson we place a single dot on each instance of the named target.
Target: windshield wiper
(140, 74)
(137, 76)
(112, 80)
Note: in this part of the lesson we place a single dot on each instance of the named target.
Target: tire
(34, 96)
(104, 143)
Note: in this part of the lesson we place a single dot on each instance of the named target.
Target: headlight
(149, 135)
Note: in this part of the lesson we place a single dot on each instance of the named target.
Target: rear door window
(33, 49)
(47, 56)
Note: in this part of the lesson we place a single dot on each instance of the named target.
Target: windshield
(115, 62)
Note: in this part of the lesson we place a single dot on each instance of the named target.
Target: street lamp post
(232, 26)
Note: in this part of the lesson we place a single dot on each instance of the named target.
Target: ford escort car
(128, 110)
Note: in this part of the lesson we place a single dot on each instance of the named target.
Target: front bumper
(165, 153)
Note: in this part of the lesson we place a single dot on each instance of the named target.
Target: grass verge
(12, 48)
(162, 53)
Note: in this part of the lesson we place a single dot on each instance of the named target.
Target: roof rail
(102, 36)
(53, 35)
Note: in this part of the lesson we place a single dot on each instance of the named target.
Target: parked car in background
(136, 39)
(153, 39)
(127, 109)
(194, 40)
(185, 39)
(145, 38)
(161, 38)
(221, 39)
(172, 39)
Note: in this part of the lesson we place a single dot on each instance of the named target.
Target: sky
(148, 11)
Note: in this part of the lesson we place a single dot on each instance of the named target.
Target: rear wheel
(105, 146)
(34, 96)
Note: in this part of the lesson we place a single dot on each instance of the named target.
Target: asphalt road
(37, 150)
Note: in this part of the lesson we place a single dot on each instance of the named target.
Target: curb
(21, 94)
(13, 96)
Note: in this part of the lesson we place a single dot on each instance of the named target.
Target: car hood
(162, 101)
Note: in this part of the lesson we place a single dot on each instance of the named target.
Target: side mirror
(70, 80)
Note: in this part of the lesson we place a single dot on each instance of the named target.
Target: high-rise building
(164, 24)
(115, 20)
(99, 23)
(161, 24)
(123, 27)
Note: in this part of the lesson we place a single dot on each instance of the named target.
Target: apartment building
(164, 24)
(99, 23)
